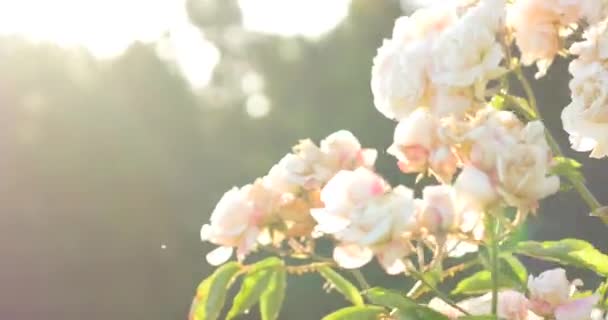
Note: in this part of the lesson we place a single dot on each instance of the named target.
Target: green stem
(494, 252)
(579, 186)
(360, 279)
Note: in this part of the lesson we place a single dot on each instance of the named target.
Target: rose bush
(443, 76)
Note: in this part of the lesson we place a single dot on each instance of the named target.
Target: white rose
(512, 305)
(586, 118)
(345, 192)
(439, 213)
(235, 222)
(491, 133)
(475, 189)
(550, 289)
(523, 178)
(399, 83)
(380, 225)
(551, 296)
(594, 47)
(537, 25)
(467, 52)
(413, 141)
(417, 146)
(344, 152)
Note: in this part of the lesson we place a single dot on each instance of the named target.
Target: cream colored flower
(237, 221)
(343, 151)
(367, 219)
(439, 213)
(467, 52)
(537, 25)
(586, 118)
(550, 296)
(594, 47)
(310, 167)
(512, 305)
(345, 192)
(418, 148)
(400, 81)
(523, 172)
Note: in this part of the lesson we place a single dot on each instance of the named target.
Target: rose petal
(352, 256)
(219, 255)
(576, 309)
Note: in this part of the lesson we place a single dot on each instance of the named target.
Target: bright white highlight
(309, 18)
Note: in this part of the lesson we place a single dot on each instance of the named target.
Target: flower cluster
(551, 296)
(278, 205)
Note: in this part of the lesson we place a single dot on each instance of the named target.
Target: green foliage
(272, 298)
(481, 282)
(512, 274)
(514, 269)
(251, 290)
(574, 252)
(342, 285)
(356, 313)
(211, 293)
(265, 283)
(388, 298)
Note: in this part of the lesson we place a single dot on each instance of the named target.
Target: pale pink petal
(327, 222)
(219, 255)
(352, 256)
(578, 309)
(206, 231)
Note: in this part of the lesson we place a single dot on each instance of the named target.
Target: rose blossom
(550, 295)
(505, 159)
(512, 305)
(346, 191)
(400, 81)
(537, 25)
(310, 167)
(367, 218)
(379, 226)
(418, 148)
(238, 220)
(467, 52)
(586, 117)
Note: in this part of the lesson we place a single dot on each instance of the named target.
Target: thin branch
(420, 277)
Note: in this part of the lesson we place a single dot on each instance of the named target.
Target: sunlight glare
(309, 18)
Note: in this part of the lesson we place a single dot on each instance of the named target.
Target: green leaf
(356, 313)
(419, 312)
(251, 290)
(481, 282)
(514, 269)
(272, 262)
(567, 168)
(211, 293)
(272, 298)
(572, 252)
(388, 298)
(345, 287)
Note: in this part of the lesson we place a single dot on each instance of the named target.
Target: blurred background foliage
(109, 167)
